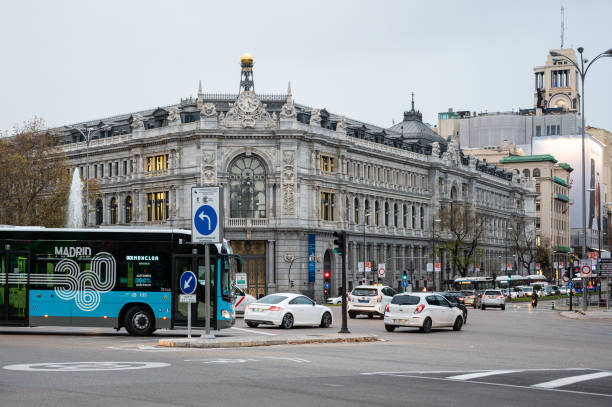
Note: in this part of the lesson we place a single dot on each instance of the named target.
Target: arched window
(526, 173)
(395, 210)
(536, 172)
(347, 210)
(405, 214)
(376, 213)
(453, 193)
(128, 209)
(356, 209)
(247, 177)
(113, 211)
(413, 224)
(99, 212)
(367, 212)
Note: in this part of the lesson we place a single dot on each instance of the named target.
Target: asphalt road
(516, 357)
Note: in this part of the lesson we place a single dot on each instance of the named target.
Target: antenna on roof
(562, 25)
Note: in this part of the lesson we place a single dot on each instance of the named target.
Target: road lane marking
(253, 331)
(571, 380)
(516, 386)
(482, 374)
(296, 360)
(84, 366)
(413, 372)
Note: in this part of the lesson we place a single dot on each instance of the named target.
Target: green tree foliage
(34, 177)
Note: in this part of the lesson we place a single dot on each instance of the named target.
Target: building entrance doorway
(253, 254)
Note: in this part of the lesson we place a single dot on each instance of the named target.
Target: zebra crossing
(573, 380)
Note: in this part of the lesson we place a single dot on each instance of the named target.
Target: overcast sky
(71, 61)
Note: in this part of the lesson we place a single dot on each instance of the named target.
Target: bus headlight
(225, 314)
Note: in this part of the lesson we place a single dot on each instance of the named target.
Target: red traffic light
(327, 274)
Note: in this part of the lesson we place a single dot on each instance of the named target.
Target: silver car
(422, 310)
(492, 298)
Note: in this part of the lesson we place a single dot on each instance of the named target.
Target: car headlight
(225, 314)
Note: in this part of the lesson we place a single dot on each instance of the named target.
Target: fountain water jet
(75, 202)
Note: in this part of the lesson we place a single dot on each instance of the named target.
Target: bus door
(195, 263)
(14, 267)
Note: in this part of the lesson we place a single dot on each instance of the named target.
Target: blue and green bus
(110, 277)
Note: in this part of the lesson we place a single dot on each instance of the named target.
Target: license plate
(399, 321)
(257, 309)
(363, 300)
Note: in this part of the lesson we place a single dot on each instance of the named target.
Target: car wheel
(426, 325)
(252, 324)
(390, 328)
(458, 324)
(139, 321)
(503, 307)
(371, 316)
(326, 320)
(352, 315)
(287, 322)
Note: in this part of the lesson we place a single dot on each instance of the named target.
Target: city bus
(473, 283)
(110, 277)
(515, 281)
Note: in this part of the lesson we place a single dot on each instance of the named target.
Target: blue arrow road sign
(188, 282)
(205, 220)
(570, 285)
(404, 283)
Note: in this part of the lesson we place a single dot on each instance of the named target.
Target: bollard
(553, 305)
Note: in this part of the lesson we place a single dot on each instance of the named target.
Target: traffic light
(326, 282)
(339, 242)
(405, 276)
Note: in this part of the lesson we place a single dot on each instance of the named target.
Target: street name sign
(189, 298)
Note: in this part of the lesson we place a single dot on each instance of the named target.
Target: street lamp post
(582, 71)
(433, 250)
(366, 215)
(508, 229)
(87, 133)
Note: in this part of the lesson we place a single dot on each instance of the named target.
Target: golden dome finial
(246, 59)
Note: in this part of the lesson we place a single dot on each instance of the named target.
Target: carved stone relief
(288, 183)
(174, 117)
(247, 112)
(208, 167)
(208, 110)
(315, 118)
(137, 122)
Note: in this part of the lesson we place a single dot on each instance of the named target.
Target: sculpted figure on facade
(315, 118)
(248, 112)
(137, 122)
(341, 125)
(208, 168)
(208, 110)
(288, 109)
(174, 117)
(435, 149)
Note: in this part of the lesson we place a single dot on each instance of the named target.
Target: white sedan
(287, 310)
(423, 311)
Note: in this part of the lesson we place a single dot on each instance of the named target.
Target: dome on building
(246, 59)
(412, 127)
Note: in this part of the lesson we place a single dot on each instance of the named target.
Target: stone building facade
(291, 175)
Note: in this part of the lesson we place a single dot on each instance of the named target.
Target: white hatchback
(369, 300)
(423, 311)
(287, 310)
(493, 298)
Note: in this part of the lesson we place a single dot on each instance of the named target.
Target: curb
(258, 341)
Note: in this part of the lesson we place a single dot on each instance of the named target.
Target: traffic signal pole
(340, 241)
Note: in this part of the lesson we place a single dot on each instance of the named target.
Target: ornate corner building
(291, 176)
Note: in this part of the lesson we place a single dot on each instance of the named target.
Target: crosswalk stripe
(482, 374)
(571, 380)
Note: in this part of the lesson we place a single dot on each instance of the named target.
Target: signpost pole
(189, 320)
(207, 289)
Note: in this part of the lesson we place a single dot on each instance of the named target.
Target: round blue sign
(404, 284)
(326, 285)
(570, 285)
(188, 282)
(205, 220)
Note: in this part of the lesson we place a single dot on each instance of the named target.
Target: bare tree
(461, 230)
(34, 177)
(543, 256)
(523, 241)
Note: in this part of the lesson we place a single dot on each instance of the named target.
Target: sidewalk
(249, 341)
(589, 315)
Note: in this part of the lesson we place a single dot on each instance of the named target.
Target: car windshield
(467, 292)
(491, 292)
(365, 291)
(271, 299)
(405, 300)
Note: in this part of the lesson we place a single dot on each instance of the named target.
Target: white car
(493, 298)
(242, 300)
(287, 310)
(527, 290)
(369, 300)
(334, 300)
(423, 311)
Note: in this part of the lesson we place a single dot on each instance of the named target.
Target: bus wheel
(139, 321)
